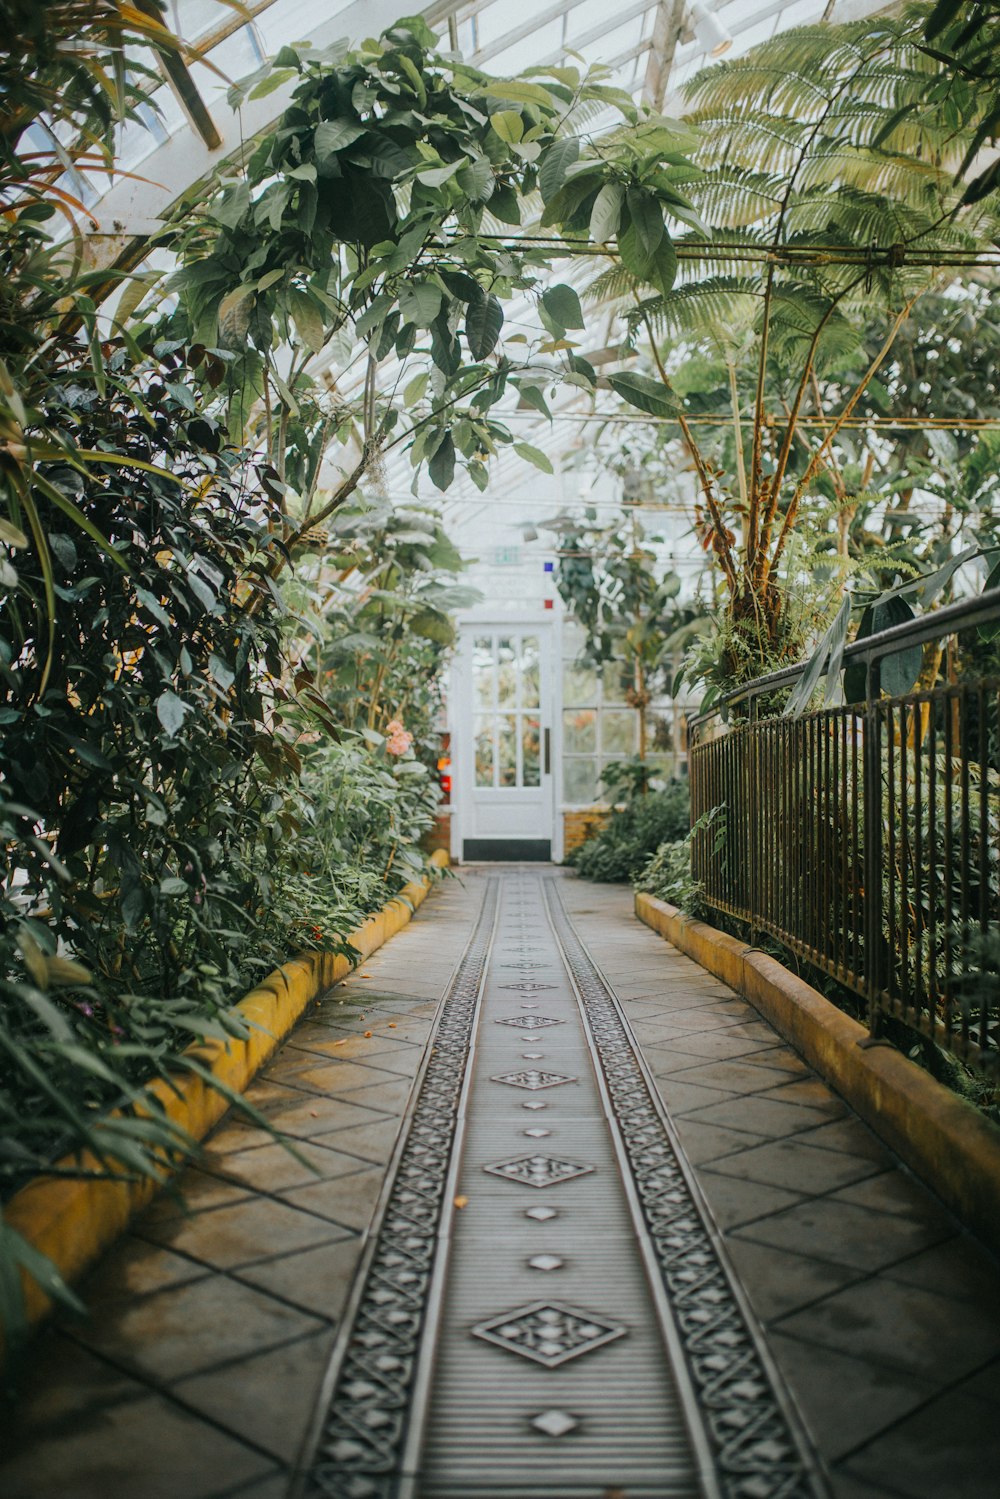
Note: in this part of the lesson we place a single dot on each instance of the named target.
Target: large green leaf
(441, 467)
(645, 394)
(534, 456)
(606, 214)
(420, 302)
(555, 163)
(563, 306)
(482, 325)
(333, 135)
(647, 219)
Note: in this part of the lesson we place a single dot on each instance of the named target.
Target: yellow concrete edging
(73, 1220)
(942, 1138)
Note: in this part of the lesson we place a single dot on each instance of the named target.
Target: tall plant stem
(753, 519)
(819, 457)
(724, 549)
(758, 561)
(734, 397)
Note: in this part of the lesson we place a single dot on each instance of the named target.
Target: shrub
(633, 833)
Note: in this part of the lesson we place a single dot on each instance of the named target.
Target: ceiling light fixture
(709, 30)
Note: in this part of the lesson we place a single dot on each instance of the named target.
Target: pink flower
(397, 740)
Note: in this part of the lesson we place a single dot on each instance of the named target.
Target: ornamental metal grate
(866, 837)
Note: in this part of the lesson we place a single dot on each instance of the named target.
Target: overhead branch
(819, 457)
(724, 549)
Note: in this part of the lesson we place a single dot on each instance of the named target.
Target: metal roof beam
(666, 34)
(175, 70)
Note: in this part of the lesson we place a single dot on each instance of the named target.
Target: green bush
(633, 833)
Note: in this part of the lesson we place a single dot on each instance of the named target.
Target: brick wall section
(580, 825)
(439, 836)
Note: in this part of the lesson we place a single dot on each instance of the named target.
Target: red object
(548, 603)
(444, 775)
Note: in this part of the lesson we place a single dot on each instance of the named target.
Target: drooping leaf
(334, 135)
(441, 467)
(563, 306)
(508, 125)
(420, 302)
(534, 456)
(557, 160)
(645, 394)
(647, 219)
(171, 711)
(483, 323)
(607, 212)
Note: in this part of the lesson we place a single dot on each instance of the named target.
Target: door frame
(548, 624)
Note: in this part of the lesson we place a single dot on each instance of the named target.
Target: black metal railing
(866, 838)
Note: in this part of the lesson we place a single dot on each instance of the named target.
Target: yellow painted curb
(72, 1221)
(945, 1140)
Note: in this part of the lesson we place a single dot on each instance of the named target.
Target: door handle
(548, 751)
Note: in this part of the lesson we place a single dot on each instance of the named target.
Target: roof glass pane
(527, 52)
(503, 17)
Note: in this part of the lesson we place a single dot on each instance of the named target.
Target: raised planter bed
(72, 1221)
(947, 1142)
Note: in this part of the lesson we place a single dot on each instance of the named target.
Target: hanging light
(709, 30)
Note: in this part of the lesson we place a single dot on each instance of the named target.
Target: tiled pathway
(196, 1374)
(883, 1317)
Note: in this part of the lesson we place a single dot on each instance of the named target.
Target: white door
(502, 742)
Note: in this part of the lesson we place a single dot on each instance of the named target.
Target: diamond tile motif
(555, 1423)
(532, 1078)
(537, 1134)
(546, 1262)
(533, 1056)
(538, 1170)
(528, 988)
(549, 1333)
(534, 1103)
(529, 1022)
(524, 963)
(541, 1215)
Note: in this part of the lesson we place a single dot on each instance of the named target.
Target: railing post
(755, 811)
(875, 952)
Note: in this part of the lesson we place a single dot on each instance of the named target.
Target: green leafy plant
(633, 832)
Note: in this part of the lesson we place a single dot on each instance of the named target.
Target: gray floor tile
(844, 1234)
(317, 1280)
(845, 1400)
(933, 1337)
(778, 1282)
(256, 1229)
(798, 1167)
(189, 1328)
(348, 1200)
(948, 1450)
(243, 1401)
(764, 1116)
(145, 1449)
(734, 1201)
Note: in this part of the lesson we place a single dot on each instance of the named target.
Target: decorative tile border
(757, 1445)
(359, 1439)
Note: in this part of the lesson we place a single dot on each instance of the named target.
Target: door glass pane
(482, 671)
(483, 738)
(580, 780)
(507, 749)
(580, 731)
(507, 673)
(579, 685)
(530, 672)
(618, 731)
(616, 680)
(531, 750)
